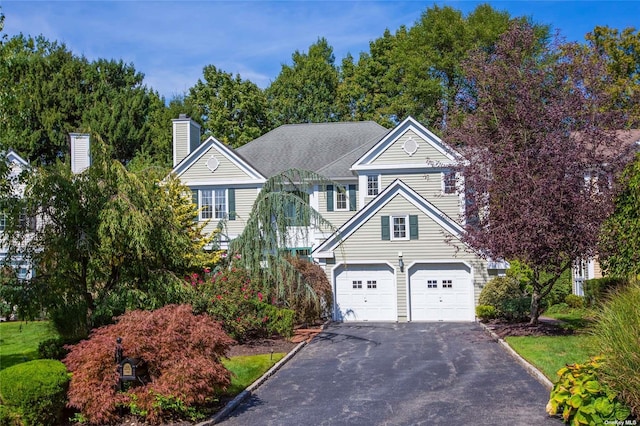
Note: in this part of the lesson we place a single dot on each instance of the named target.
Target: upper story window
(342, 200)
(449, 182)
(296, 213)
(373, 185)
(3, 221)
(213, 204)
(399, 228)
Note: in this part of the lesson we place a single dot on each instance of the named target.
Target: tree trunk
(536, 297)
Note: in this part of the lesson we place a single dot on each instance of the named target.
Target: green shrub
(558, 308)
(581, 398)
(485, 312)
(596, 291)
(8, 417)
(53, 349)
(505, 294)
(278, 321)
(617, 336)
(574, 301)
(35, 391)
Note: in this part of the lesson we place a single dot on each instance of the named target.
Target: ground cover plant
(19, 341)
(182, 352)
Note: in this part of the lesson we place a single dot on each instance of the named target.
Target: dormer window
(373, 185)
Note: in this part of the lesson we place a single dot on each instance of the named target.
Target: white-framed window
(341, 199)
(372, 284)
(449, 182)
(373, 185)
(220, 197)
(432, 283)
(447, 284)
(356, 284)
(213, 203)
(399, 227)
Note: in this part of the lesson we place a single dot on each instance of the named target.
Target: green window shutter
(352, 198)
(194, 199)
(386, 231)
(329, 198)
(413, 227)
(232, 203)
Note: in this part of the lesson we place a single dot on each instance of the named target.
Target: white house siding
(395, 153)
(226, 170)
(366, 245)
(429, 185)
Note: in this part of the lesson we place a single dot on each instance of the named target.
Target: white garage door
(441, 292)
(365, 293)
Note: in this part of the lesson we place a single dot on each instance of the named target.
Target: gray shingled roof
(326, 148)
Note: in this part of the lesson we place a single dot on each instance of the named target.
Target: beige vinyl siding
(182, 143)
(429, 185)
(366, 244)
(395, 153)
(336, 217)
(245, 197)
(226, 170)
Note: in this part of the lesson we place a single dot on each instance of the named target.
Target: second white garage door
(365, 293)
(441, 292)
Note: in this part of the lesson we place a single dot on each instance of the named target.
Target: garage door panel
(441, 292)
(365, 293)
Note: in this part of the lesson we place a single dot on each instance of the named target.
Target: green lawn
(19, 341)
(246, 369)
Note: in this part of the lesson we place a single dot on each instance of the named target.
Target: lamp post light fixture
(400, 262)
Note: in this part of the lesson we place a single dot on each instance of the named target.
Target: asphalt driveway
(398, 374)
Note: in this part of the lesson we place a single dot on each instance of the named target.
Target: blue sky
(171, 41)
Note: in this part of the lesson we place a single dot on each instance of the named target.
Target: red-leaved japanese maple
(538, 136)
(182, 352)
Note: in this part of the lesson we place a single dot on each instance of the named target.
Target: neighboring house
(396, 254)
(17, 165)
(588, 269)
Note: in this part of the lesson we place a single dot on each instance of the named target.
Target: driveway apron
(398, 374)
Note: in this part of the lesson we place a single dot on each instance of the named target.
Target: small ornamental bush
(581, 398)
(597, 290)
(182, 354)
(617, 336)
(574, 301)
(34, 393)
(506, 296)
(485, 312)
(233, 298)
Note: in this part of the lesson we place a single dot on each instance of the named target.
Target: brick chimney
(186, 137)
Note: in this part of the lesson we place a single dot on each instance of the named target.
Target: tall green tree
(541, 144)
(620, 238)
(107, 240)
(46, 92)
(621, 50)
(305, 91)
(233, 110)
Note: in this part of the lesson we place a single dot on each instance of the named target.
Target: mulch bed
(546, 327)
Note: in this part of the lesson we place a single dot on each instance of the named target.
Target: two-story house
(396, 254)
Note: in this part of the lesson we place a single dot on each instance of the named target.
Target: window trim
(447, 188)
(336, 192)
(392, 219)
(213, 213)
(378, 185)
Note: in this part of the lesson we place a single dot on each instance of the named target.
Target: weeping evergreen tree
(281, 217)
